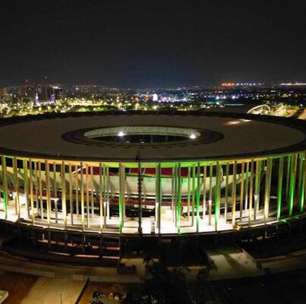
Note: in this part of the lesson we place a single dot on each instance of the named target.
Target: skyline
(160, 45)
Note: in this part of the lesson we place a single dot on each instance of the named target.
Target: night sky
(152, 43)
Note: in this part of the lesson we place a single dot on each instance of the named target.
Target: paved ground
(232, 264)
(63, 284)
(53, 291)
(18, 286)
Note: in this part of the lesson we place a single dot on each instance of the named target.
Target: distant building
(3, 92)
(155, 97)
(48, 92)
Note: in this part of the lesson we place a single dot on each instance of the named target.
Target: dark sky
(152, 43)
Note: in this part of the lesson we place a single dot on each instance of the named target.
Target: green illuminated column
(204, 192)
(302, 193)
(300, 173)
(267, 189)
(158, 197)
(108, 190)
(121, 195)
(198, 197)
(188, 194)
(210, 194)
(301, 189)
(234, 194)
(174, 193)
(178, 198)
(226, 191)
(280, 187)
(288, 176)
(217, 195)
(16, 184)
(87, 193)
(193, 189)
(173, 188)
(26, 186)
(292, 183)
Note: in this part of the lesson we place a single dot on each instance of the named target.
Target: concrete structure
(151, 174)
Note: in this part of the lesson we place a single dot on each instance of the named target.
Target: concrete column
(31, 190)
(55, 192)
(234, 190)
(301, 189)
(303, 185)
(292, 183)
(121, 196)
(87, 194)
(251, 191)
(267, 189)
(257, 187)
(139, 198)
(241, 189)
(47, 172)
(82, 196)
(210, 194)
(40, 190)
(71, 194)
(198, 197)
(204, 192)
(101, 194)
(63, 186)
(280, 187)
(217, 195)
(16, 185)
(26, 185)
(178, 198)
(226, 191)
(158, 197)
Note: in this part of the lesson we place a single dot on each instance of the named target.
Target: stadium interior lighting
(192, 136)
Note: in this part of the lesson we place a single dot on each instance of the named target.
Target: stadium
(90, 183)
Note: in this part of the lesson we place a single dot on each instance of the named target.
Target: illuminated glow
(289, 84)
(198, 194)
(155, 97)
(121, 134)
(233, 122)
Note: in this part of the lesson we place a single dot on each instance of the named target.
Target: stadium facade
(151, 175)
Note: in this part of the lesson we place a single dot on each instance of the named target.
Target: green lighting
(292, 183)
(280, 187)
